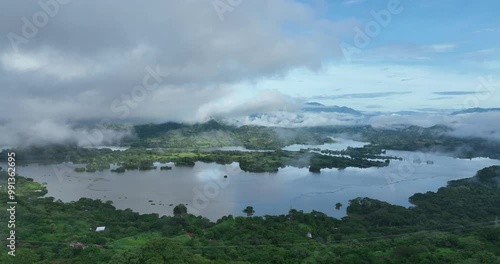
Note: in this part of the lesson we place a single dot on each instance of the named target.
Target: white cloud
(443, 47)
(489, 30)
(20, 62)
(296, 119)
(263, 102)
(48, 131)
(49, 63)
(481, 125)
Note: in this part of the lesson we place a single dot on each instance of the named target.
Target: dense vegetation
(457, 224)
(142, 159)
(214, 134)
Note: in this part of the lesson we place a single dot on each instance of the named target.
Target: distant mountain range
(476, 110)
(317, 107)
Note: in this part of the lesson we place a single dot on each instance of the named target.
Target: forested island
(251, 161)
(457, 224)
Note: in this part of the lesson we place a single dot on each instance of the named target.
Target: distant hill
(155, 130)
(476, 110)
(317, 107)
(314, 104)
(215, 134)
(489, 176)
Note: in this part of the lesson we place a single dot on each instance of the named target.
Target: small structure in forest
(77, 245)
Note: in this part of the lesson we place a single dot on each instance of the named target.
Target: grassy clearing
(135, 241)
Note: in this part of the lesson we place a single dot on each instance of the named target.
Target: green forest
(215, 134)
(457, 224)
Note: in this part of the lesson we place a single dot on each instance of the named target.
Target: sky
(424, 51)
(66, 62)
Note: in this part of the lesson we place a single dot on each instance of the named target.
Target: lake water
(340, 144)
(108, 147)
(206, 192)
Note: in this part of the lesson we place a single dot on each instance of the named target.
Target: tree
(249, 211)
(180, 210)
(338, 205)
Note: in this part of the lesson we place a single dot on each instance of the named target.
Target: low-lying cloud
(455, 93)
(49, 132)
(479, 125)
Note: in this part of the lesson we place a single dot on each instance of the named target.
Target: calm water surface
(206, 192)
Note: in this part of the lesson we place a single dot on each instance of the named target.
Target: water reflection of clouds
(339, 144)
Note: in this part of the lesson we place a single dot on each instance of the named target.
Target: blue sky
(430, 46)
